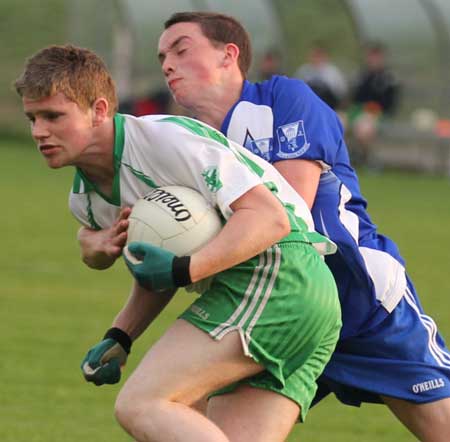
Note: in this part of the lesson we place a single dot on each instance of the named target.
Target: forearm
(142, 307)
(104, 362)
(247, 233)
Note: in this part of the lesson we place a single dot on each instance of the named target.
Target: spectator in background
(323, 77)
(269, 65)
(376, 85)
(375, 93)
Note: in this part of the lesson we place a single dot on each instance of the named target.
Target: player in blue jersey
(389, 351)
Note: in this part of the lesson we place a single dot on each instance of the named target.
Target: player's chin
(181, 98)
(55, 163)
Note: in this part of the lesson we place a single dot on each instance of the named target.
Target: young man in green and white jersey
(265, 321)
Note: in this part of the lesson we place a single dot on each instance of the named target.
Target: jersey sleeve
(197, 156)
(78, 210)
(304, 126)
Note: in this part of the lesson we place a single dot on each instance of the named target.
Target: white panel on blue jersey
(260, 119)
(349, 219)
(387, 274)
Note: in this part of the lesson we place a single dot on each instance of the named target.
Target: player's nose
(167, 66)
(39, 129)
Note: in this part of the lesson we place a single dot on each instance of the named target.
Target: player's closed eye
(52, 116)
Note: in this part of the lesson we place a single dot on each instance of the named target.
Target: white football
(176, 218)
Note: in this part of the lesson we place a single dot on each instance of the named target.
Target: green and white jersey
(160, 150)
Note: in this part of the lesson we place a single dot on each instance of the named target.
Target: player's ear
(100, 110)
(231, 54)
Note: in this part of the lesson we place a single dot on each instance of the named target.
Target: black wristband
(180, 271)
(120, 336)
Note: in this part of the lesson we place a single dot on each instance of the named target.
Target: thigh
(186, 364)
(282, 311)
(429, 422)
(298, 389)
(271, 419)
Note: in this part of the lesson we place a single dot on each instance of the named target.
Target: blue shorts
(403, 357)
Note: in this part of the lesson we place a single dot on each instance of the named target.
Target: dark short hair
(219, 28)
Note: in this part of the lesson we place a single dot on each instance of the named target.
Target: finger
(120, 240)
(89, 373)
(118, 234)
(124, 224)
(124, 213)
(140, 249)
(120, 226)
(108, 373)
(114, 251)
(130, 258)
(88, 370)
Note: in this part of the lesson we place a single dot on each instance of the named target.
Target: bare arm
(142, 307)
(104, 362)
(303, 176)
(259, 221)
(101, 248)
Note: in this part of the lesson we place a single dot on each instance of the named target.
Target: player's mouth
(173, 82)
(49, 149)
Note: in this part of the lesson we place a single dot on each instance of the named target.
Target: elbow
(282, 225)
(286, 227)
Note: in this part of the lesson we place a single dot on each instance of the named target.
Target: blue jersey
(283, 119)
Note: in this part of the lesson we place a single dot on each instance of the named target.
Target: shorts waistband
(321, 243)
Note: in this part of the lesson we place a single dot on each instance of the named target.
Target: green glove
(103, 362)
(155, 268)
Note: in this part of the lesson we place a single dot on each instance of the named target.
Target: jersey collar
(226, 122)
(81, 183)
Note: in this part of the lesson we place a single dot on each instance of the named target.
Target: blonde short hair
(78, 73)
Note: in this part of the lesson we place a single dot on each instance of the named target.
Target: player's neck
(215, 108)
(97, 161)
(102, 175)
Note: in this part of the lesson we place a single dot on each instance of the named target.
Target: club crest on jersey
(261, 147)
(212, 179)
(292, 140)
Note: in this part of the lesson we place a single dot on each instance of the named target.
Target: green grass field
(53, 308)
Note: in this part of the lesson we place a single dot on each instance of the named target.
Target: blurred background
(413, 36)
(384, 66)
